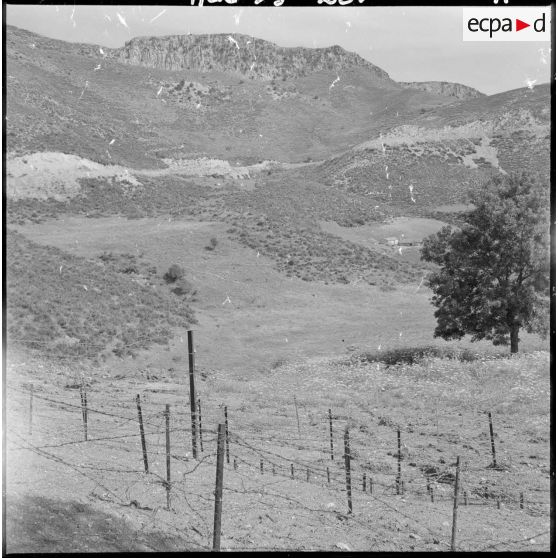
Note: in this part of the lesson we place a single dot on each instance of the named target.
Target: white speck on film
(232, 40)
(158, 15)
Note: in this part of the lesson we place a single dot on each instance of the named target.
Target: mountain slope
(78, 98)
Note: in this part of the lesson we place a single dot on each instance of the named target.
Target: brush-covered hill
(227, 96)
(435, 157)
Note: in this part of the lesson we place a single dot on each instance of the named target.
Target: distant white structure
(392, 241)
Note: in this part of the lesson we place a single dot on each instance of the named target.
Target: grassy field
(270, 316)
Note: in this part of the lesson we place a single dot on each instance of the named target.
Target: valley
(271, 179)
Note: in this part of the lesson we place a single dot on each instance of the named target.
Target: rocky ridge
(255, 58)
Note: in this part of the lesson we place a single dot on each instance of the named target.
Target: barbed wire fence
(265, 467)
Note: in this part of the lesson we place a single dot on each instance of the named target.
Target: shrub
(212, 244)
(183, 287)
(174, 273)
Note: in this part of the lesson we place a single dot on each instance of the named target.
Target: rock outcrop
(255, 58)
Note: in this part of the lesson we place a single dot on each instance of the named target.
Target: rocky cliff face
(444, 88)
(255, 58)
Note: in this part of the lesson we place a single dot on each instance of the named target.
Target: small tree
(494, 275)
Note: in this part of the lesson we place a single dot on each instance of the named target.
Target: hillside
(79, 98)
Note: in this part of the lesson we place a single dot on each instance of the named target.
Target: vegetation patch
(70, 307)
(416, 355)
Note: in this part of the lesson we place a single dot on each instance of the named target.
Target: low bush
(183, 287)
(174, 273)
(414, 355)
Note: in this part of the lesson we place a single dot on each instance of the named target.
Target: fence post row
(167, 432)
(142, 435)
(219, 488)
(192, 392)
(348, 470)
(455, 503)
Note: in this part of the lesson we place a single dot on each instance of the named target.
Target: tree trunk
(514, 339)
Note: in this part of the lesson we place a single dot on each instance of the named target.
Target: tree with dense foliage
(494, 275)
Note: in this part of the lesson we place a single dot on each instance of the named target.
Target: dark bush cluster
(414, 355)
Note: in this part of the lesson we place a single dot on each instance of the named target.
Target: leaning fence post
(200, 424)
(297, 419)
(492, 439)
(192, 392)
(31, 410)
(227, 434)
(218, 488)
(167, 433)
(331, 434)
(348, 469)
(455, 504)
(142, 435)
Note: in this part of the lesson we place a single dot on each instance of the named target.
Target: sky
(410, 43)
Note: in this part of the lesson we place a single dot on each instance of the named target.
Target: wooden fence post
(261, 466)
(348, 470)
(142, 435)
(492, 439)
(521, 500)
(167, 432)
(227, 434)
(297, 419)
(398, 481)
(455, 503)
(218, 489)
(200, 424)
(292, 471)
(31, 410)
(364, 482)
(327, 471)
(331, 434)
(192, 393)
(83, 394)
